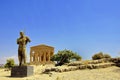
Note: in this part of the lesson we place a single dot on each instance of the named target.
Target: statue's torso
(22, 42)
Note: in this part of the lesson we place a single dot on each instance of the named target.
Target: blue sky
(84, 26)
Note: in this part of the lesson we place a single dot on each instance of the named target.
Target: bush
(100, 55)
(10, 63)
(65, 56)
(97, 56)
(107, 56)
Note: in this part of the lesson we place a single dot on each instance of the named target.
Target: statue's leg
(24, 55)
(19, 57)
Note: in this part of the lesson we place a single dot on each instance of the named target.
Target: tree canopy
(65, 56)
(10, 63)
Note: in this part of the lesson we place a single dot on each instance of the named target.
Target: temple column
(39, 57)
(48, 56)
(30, 59)
(35, 57)
(30, 56)
(44, 59)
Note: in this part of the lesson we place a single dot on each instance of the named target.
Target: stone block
(21, 71)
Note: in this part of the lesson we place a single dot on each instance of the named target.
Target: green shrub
(107, 56)
(65, 56)
(10, 63)
(100, 55)
(97, 56)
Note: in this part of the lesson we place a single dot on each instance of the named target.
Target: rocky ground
(109, 73)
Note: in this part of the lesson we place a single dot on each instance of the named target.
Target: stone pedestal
(21, 71)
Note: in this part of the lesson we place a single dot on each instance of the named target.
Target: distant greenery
(100, 55)
(65, 56)
(10, 63)
(107, 56)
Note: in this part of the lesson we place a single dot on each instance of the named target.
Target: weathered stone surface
(75, 63)
(118, 64)
(22, 71)
(41, 54)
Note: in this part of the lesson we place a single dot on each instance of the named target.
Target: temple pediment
(42, 46)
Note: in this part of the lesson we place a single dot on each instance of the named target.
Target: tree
(10, 63)
(64, 56)
(100, 55)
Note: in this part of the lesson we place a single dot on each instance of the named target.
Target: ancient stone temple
(41, 54)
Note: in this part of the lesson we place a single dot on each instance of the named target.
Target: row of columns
(40, 56)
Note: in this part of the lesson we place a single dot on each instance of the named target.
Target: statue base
(21, 71)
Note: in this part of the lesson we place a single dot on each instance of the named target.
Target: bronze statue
(22, 41)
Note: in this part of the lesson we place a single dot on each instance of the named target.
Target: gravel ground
(110, 73)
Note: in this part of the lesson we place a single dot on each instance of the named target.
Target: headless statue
(22, 42)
